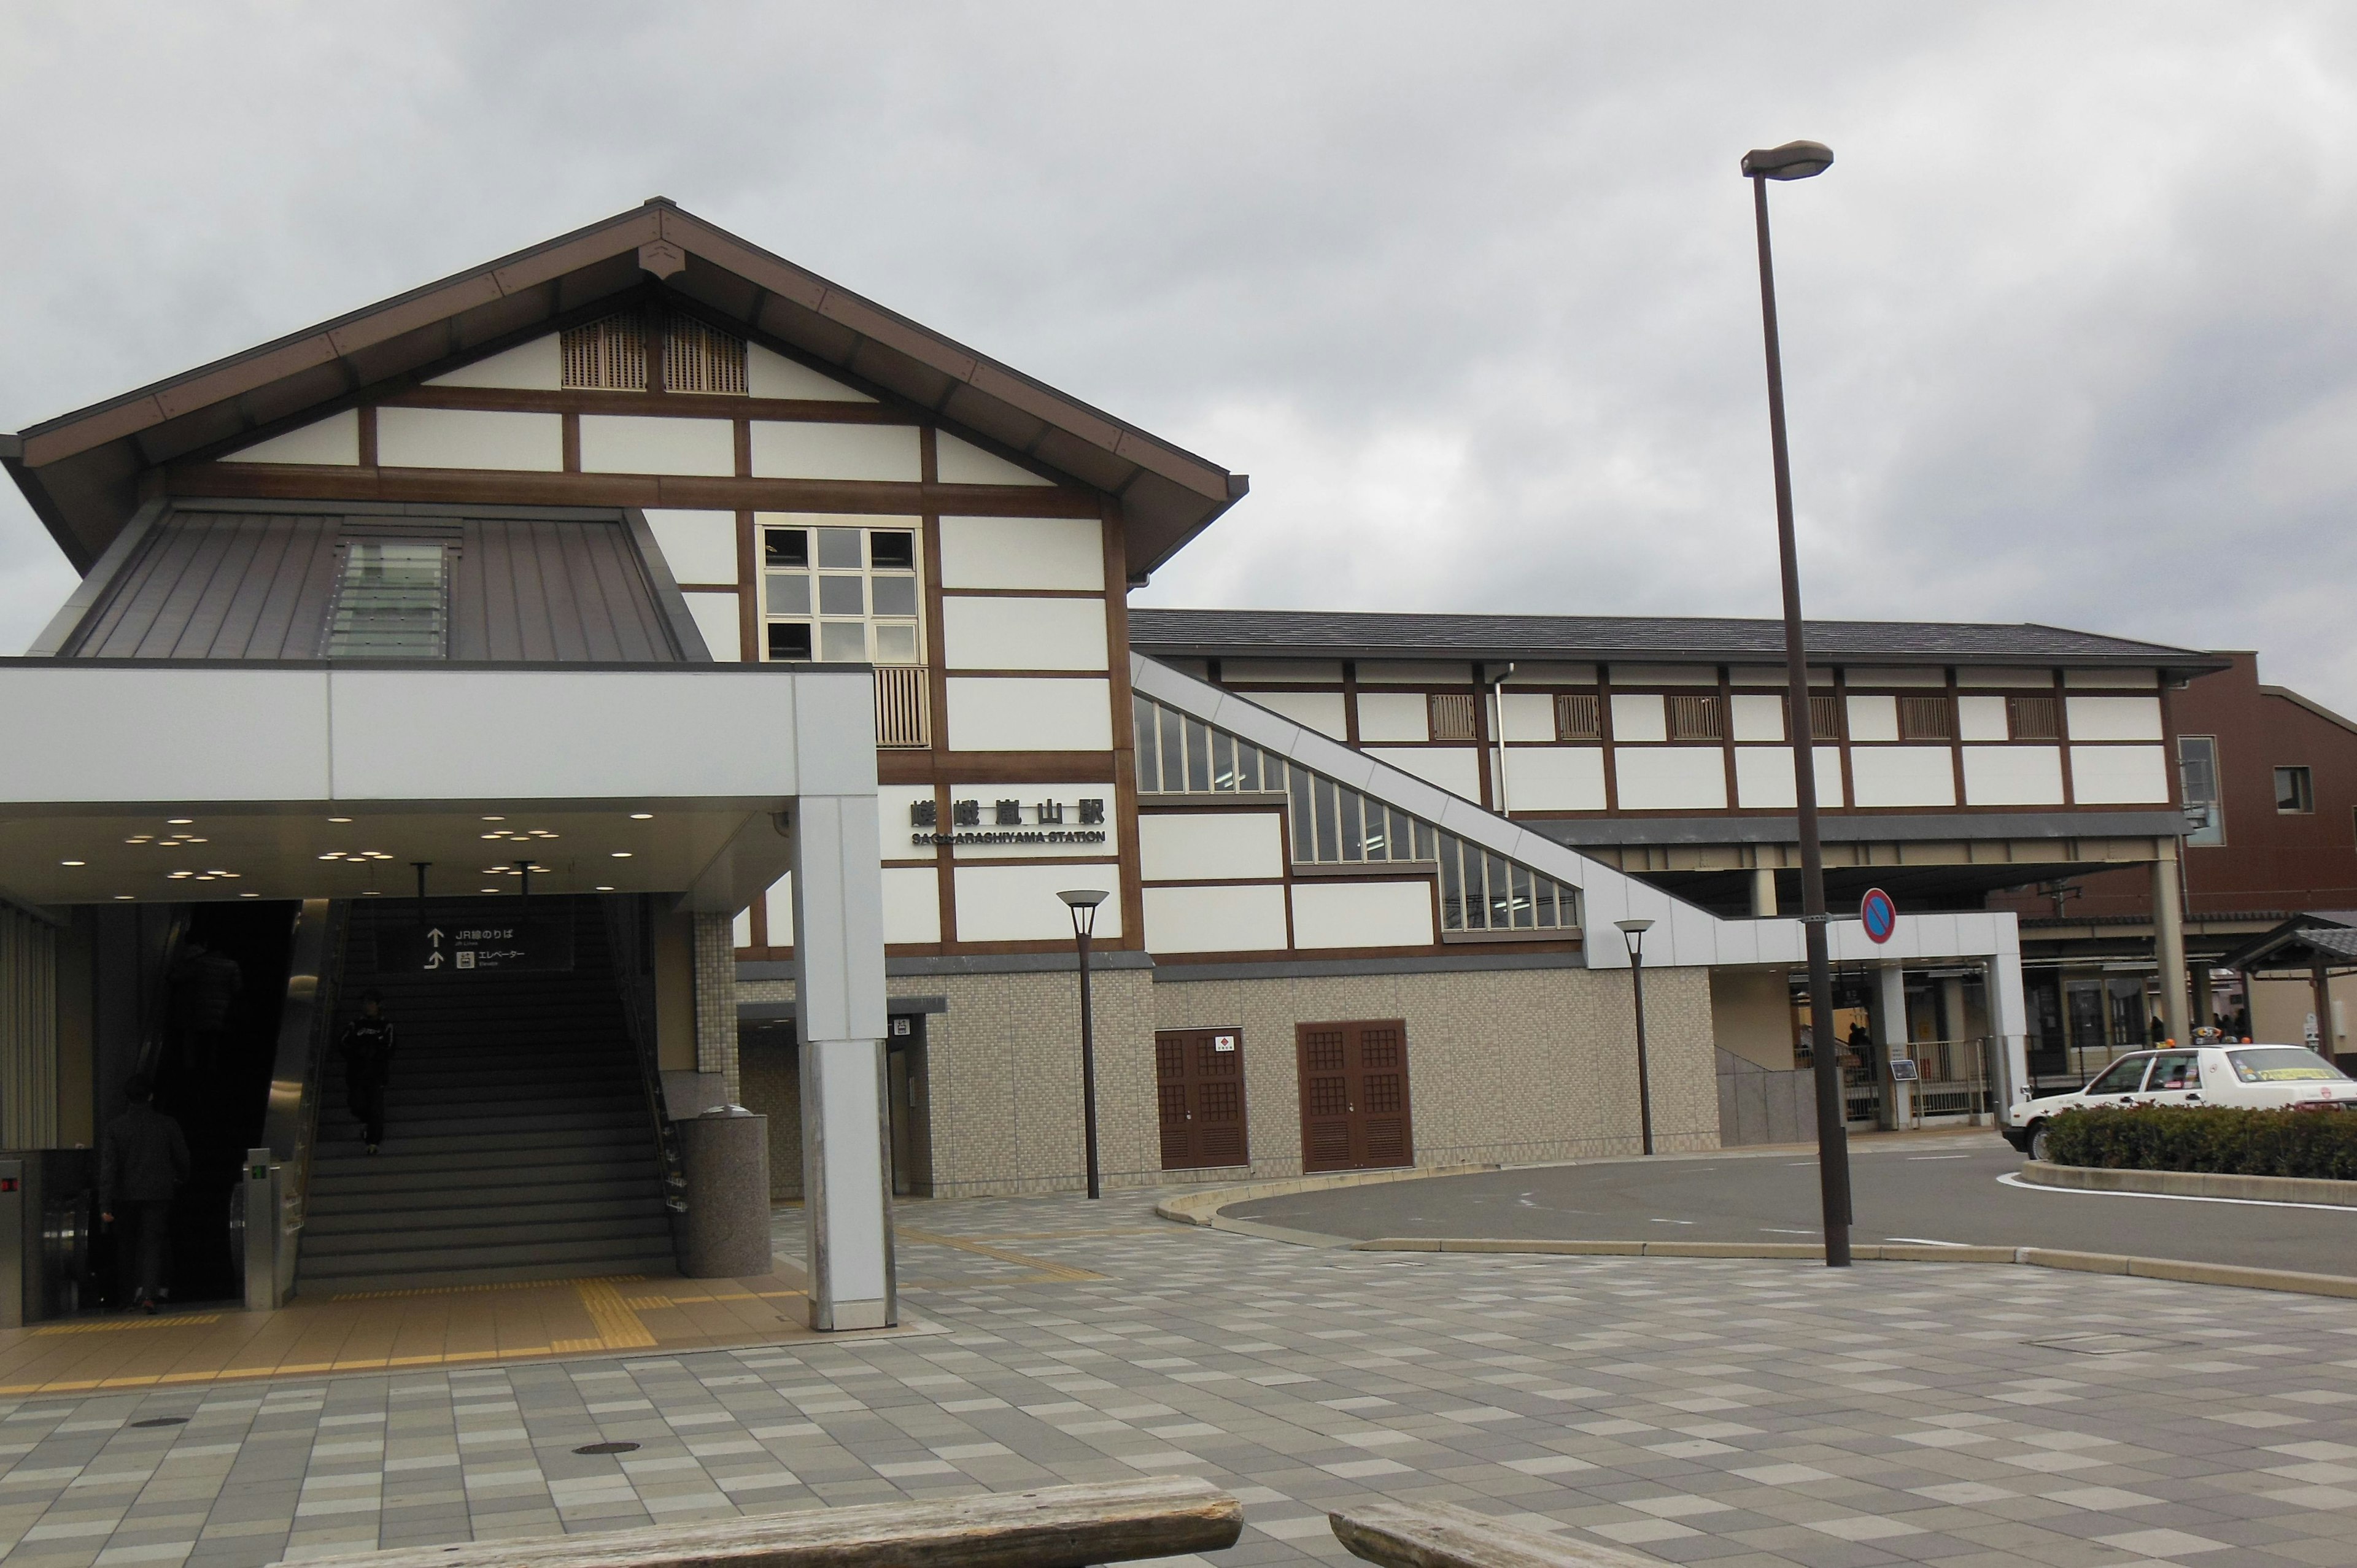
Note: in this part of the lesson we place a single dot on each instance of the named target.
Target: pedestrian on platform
(143, 1162)
(367, 1047)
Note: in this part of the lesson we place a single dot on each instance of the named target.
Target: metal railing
(1952, 1080)
(630, 940)
(307, 1028)
(903, 711)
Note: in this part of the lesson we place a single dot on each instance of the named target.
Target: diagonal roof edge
(1203, 489)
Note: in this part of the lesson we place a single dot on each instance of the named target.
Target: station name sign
(1010, 822)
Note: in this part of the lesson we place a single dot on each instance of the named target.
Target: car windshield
(2282, 1064)
(2121, 1079)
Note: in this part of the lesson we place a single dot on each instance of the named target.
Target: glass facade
(841, 593)
(392, 601)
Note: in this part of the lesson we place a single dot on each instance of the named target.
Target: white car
(2245, 1077)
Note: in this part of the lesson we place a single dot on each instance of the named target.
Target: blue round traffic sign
(1878, 913)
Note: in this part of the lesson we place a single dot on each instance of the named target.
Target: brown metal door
(1354, 1100)
(1199, 1084)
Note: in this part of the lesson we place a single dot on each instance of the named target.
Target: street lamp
(1800, 160)
(1633, 933)
(1083, 902)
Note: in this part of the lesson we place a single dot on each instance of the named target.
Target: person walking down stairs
(367, 1047)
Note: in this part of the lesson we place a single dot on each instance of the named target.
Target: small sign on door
(1224, 1042)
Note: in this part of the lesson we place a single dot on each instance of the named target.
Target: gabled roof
(1360, 635)
(81, 470)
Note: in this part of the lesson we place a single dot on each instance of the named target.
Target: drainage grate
(2108, 1344)
(607, 1448)
(162, 1420)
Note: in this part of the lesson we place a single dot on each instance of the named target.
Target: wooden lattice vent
(607, 355)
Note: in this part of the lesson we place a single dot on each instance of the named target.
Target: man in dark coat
(367, 1046)
(143, 1162)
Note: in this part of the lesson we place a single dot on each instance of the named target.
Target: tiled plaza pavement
(1733, 1412)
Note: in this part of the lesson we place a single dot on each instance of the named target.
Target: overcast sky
(1467, 289)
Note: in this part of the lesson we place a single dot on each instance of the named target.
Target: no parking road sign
(1878, 915)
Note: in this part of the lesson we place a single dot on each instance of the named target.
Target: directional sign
(478, 944)
(1878, 915)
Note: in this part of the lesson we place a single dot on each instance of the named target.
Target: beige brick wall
(1503, 1066)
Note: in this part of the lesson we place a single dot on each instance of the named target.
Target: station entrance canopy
(147, 781)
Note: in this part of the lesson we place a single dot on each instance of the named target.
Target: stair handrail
(625, 929)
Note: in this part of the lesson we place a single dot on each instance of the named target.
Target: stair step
(580, 1239)
(405, 1193)
(392, 1225)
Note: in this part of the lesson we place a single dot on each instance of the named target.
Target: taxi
(2246, 1077)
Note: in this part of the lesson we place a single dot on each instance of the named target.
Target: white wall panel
(1023, 634)
(1639, 716)
(913, 904)
(1665, 674)
(1902, 775)
(778, 901)
(1902, 675)
(1210, 846)
(1394, 716)
(1010, 713)
(1018, 903)
(1763, 778)
(1321, 711)
(1554, 778)
(1307, 670)
(2119, 680)
(769, 374)
(2013, 775)
(894, 828)
(716, 616)
(2119, 775)
(469, 439)
(1215, 920)
(1023, 552)
(2113, 718)
(963, 462)
(879, 452)
(536, 366)
(645, 444)
(1398, 672)
(334, 441)
(1873, 718)
(1992, 675)
(698, 546)
(1456, 769)
(1362, 914)
(1756, 716)
(1670, 778)
(1982, 718)
(1526, 716)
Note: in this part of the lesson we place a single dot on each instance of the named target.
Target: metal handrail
(626, 932)
(305, 1032)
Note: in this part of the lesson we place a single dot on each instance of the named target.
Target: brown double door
(1199, 1083)
(1354, 1109)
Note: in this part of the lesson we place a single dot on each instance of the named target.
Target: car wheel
(2038, 1142)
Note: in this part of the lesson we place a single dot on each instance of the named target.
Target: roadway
(1922, 1187)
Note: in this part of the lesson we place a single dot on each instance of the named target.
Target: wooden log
(1442, 1535)
(1054, 1527)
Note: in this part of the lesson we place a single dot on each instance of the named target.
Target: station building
(739, 673)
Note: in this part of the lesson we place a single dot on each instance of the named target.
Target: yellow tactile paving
(377, 1330)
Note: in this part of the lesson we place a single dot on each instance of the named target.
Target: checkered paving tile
(1739, 1412)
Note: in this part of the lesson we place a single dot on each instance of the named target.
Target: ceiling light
(121, 898)
(642, 816)
(368, 893)
(249, 895)
(143, 838)
(603, 889)
(486, 889)
(179, 821)
(73, 862)
(495, 819)
(621, 854)
(333, 854)
(176, 875)
(196, 841)
(340, 818)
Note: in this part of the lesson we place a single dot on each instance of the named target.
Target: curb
(2191, 1183)
(2170, 1269)
(1202, 1207)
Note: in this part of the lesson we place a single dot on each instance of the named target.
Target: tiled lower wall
(1503, 1066)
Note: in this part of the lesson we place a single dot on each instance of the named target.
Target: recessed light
(340, 818)
(486, 889)
(603, 889)
(621, 854)
(197, 841)
(179, 821)
(333, 854)
(642, 816)
(73, 862)
(369, 893)
(495, 819)
(249, 895)
(122, 897)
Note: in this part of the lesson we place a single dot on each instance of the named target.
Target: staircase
(519, 1143)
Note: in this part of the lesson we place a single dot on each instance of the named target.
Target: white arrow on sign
(435, 936)
(433, 961)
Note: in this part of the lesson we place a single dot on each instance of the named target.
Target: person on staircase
(367, 1047)
(143, 1162)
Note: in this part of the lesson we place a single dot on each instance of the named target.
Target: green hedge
(2209, 1138)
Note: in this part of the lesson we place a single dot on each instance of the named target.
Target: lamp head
(1793, 160)
(1633, 927)
(1083, 902)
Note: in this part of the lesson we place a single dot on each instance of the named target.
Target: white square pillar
(1890, 1011)
(2009, 1028)
(839, 1000)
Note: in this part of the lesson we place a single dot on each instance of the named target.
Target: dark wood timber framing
(84, 472)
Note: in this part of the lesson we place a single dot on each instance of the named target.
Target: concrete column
(725, 1152)
(2008, 1022)
(1763, 892)
(2205, 1004)
(839, 1000)
(716, 1000)
(2169, 947)
(1952, 1024)
(1889, 1013)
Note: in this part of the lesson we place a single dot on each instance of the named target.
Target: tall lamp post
(1083, 902)
(1801, 160)
(1633, 933)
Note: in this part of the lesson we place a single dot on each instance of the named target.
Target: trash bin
(725, 1152)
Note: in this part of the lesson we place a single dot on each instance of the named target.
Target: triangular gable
(963, 463)
(333, 442)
